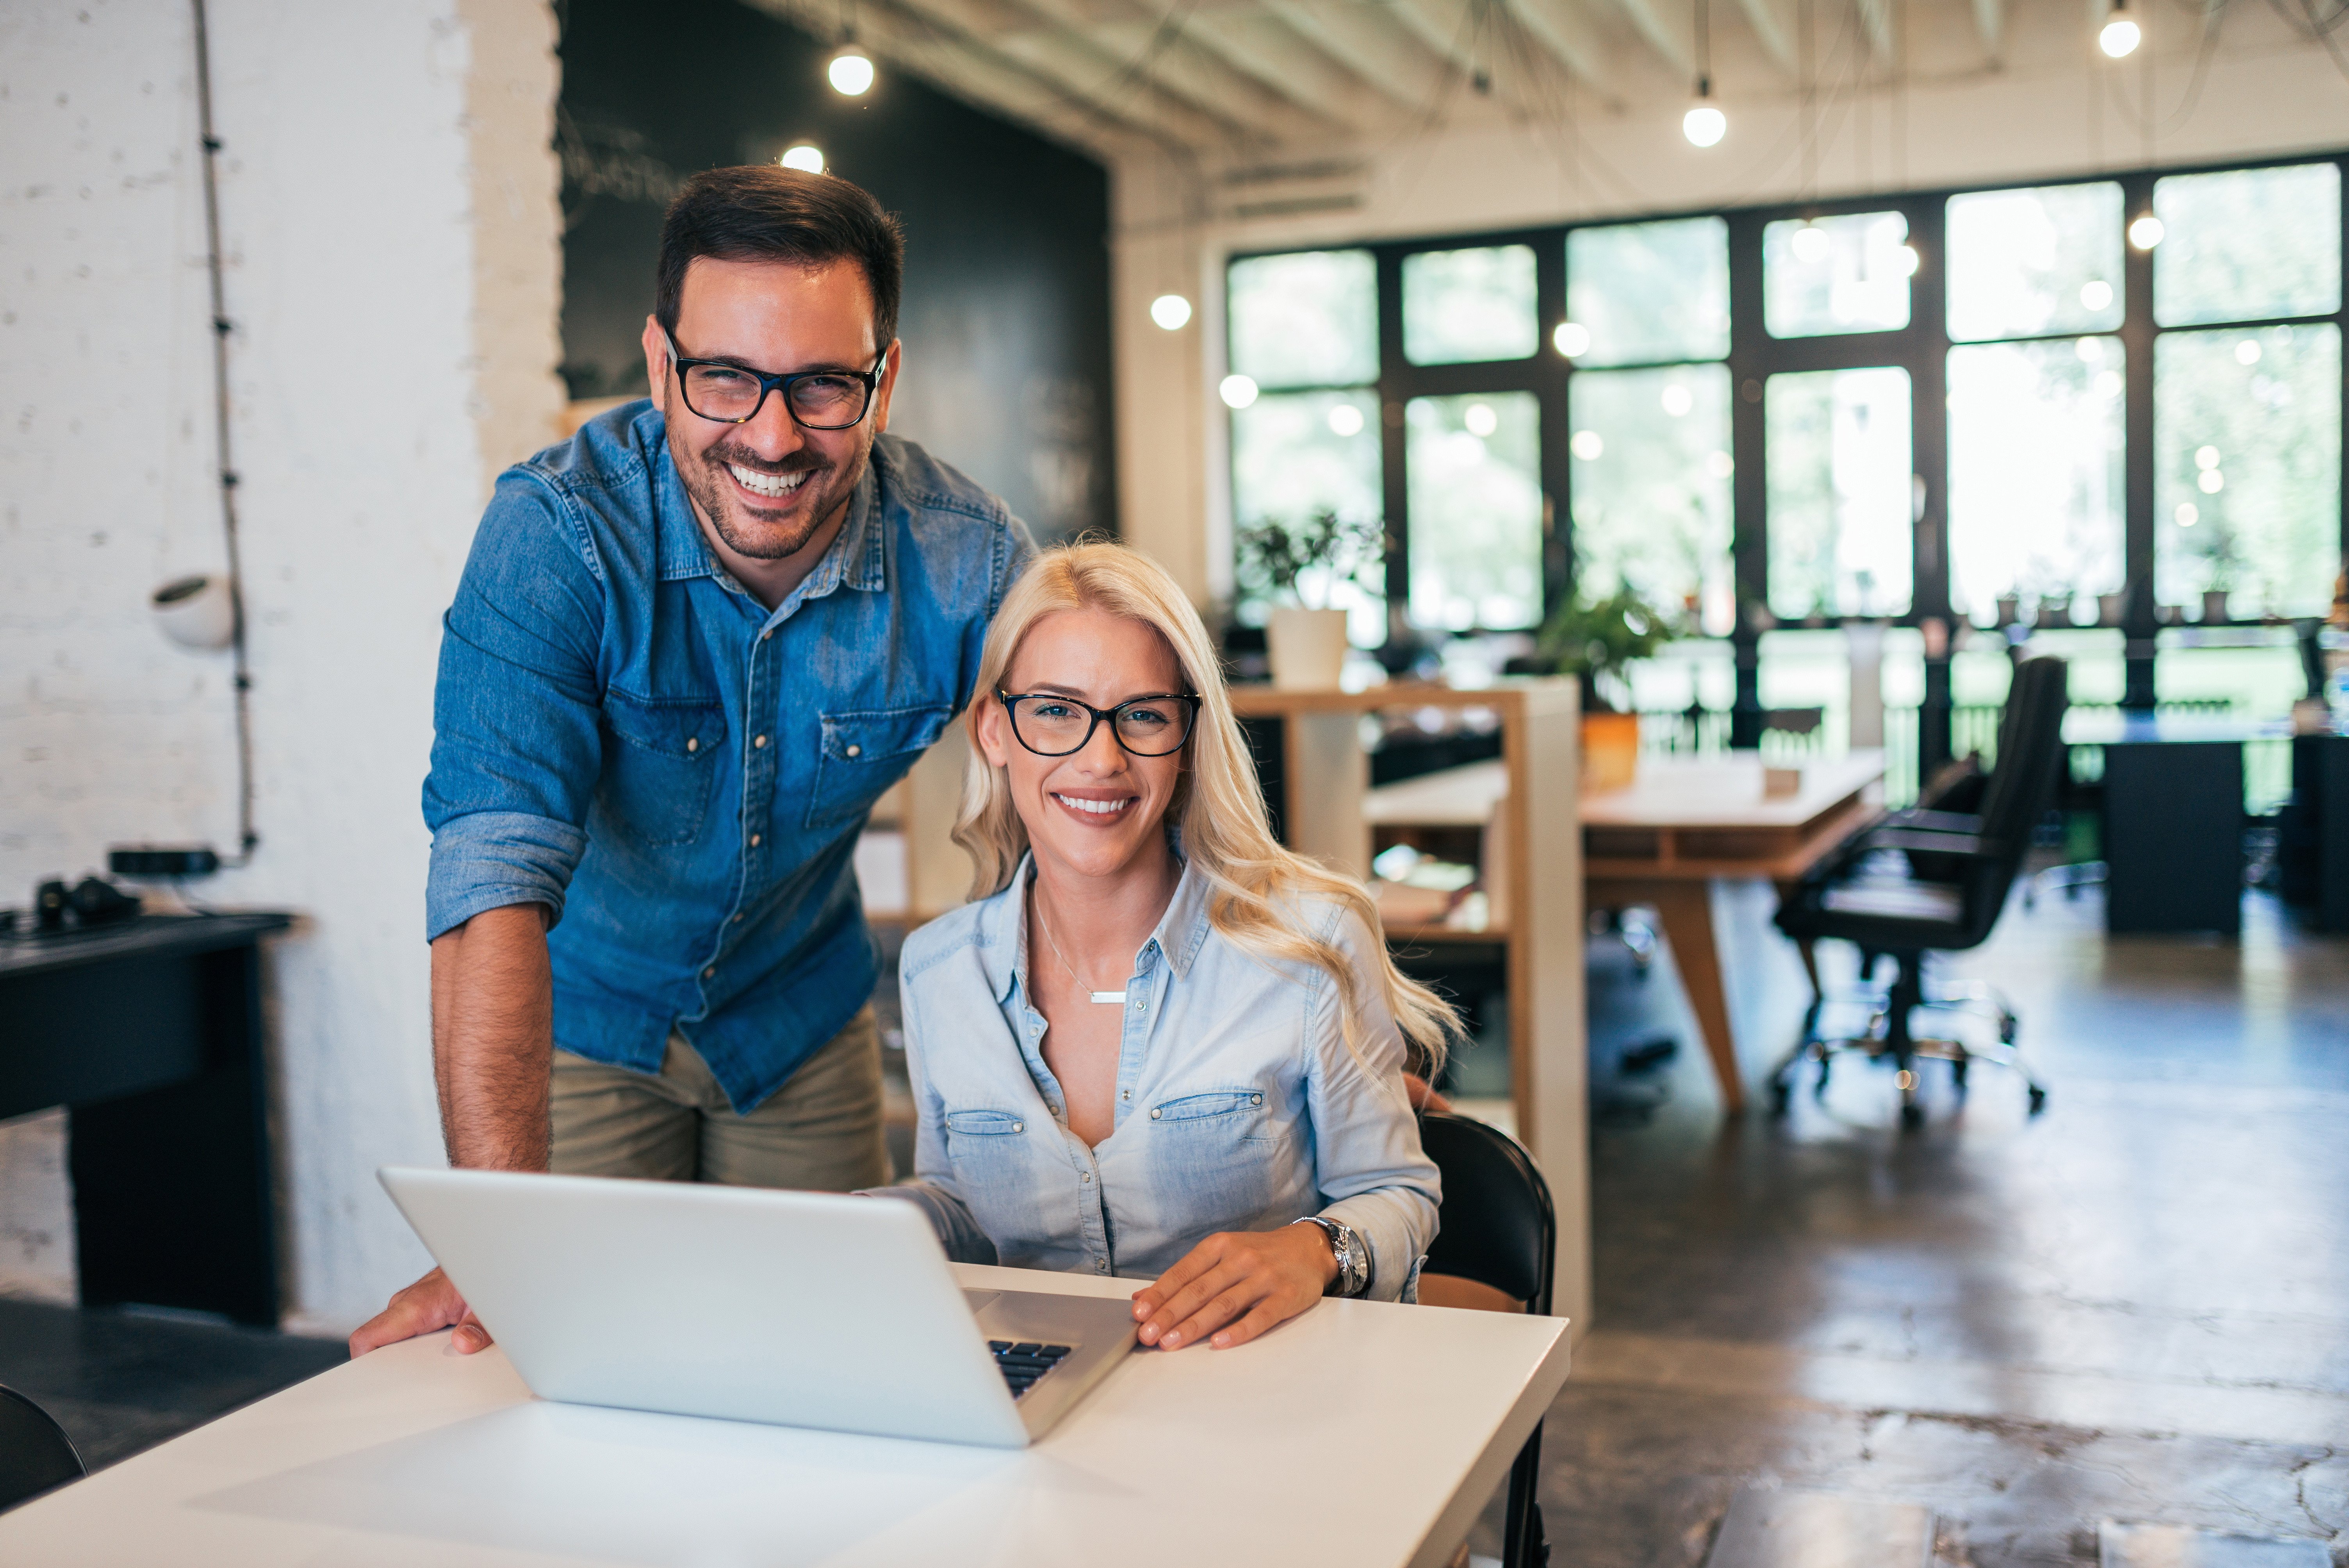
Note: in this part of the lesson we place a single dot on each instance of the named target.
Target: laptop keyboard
(1024, 1361)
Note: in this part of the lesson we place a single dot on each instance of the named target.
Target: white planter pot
(1307, 648)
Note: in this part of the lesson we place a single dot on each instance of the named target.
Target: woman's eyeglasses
(1052, 726)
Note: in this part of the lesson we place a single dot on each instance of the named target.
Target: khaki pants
(821, 1131)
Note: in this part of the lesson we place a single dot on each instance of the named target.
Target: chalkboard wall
(1006, 318)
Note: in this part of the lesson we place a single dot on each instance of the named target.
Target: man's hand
(1235, 1286)
(430, 1304)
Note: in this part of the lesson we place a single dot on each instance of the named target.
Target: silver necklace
(1108, 998)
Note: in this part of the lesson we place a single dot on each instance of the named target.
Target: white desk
(1359, 1434)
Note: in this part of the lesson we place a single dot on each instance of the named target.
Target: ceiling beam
(1566, 34)
(1194, 68)
(961, 63)
(1268, 48)
(1775, 32)
(1661, 30)
(1368, 42)
(1989, 21)
(1875, 21)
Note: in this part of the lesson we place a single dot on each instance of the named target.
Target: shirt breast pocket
(862, 754)
(660, 764)
(1216, 1147)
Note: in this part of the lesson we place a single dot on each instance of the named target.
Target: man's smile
(770, 487)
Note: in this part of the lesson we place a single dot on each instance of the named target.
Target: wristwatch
(1353, 1257)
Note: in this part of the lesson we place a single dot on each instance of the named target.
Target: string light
(2146, 230)
(1171, 311)
(1572, 338)
(805, 157)
(1236, 391)
(1811, 244)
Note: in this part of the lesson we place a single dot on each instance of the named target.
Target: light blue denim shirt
(1239, 1106)
(623, 734)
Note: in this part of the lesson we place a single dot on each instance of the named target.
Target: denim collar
(1180, 933)
(857, 557)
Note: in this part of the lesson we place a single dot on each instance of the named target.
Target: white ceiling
(1228, 81)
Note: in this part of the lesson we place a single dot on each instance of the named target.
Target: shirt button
(1140, 1005)
(758, 741)
(1019, 1127)
(765, 635)
(693, 743)
(1253, 1099)
(754, 841)
(737, 919)
(856, 751)
(713, 969)
(1126, 1094)
(1101, 1265)
(1154, 1113)
(1087, 1179)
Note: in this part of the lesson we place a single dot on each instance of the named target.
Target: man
(691, 646)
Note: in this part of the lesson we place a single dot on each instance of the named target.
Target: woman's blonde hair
(1257, 888)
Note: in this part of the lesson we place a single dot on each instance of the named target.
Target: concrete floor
(2132, 1306)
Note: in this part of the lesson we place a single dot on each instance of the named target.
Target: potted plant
(1287, 563)
(1596, 640)
(2224, 560)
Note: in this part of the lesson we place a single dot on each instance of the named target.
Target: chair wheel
(1779, 1095)
(2038, 1099)
(1912, 1115)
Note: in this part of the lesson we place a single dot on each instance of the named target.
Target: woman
(1155, 1042)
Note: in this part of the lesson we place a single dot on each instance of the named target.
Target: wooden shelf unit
(1527, 802)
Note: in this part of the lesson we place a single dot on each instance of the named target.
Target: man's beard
(823, 491)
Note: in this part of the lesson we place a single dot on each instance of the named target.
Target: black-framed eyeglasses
(726, 393)
(1053, 726)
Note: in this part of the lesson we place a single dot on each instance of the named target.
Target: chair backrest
(1498, 1228)
(2021, 784)
(34, 1452)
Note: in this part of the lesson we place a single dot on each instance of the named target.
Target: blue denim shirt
(623, 734)
(1238, 1106)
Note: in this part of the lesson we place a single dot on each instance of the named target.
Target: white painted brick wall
(394, 345)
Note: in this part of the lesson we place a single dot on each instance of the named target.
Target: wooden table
(1360, 1433)
(1660, 842)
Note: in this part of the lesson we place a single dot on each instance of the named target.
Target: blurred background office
(1822, 362)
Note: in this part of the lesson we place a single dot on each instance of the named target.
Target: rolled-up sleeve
(516, 745)
(933, 1188)
(1368, 1162)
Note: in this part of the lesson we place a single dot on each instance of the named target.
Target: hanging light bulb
(2145, 232)
(1170, 311)
(804, 157)
(2120, 34)
(1810, 243)
(1704, 125)
(851, 72)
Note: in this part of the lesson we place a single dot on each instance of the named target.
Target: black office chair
(1499, 1231)
(36, 1455)
(1926, 881)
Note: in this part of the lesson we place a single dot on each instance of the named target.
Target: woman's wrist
(1324, 1250)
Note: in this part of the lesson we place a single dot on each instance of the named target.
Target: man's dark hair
(763, 212)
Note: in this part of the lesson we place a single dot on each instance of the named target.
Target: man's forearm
(493, 1039)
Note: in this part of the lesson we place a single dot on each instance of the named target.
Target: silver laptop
(803, 1309)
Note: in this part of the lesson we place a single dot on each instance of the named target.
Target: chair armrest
(1936, 821)
(1940, 843)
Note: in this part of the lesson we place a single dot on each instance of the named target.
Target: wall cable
(226, 465)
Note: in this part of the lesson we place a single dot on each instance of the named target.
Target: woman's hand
(1236, 1284)
(430, 1302)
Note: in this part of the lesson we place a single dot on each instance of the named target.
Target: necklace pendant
(1108, 998)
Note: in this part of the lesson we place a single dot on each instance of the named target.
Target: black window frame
(1921, 348)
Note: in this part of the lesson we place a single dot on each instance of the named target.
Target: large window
(2111, 403)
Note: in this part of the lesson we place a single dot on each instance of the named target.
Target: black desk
(2173, 824)
(149, 1033)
